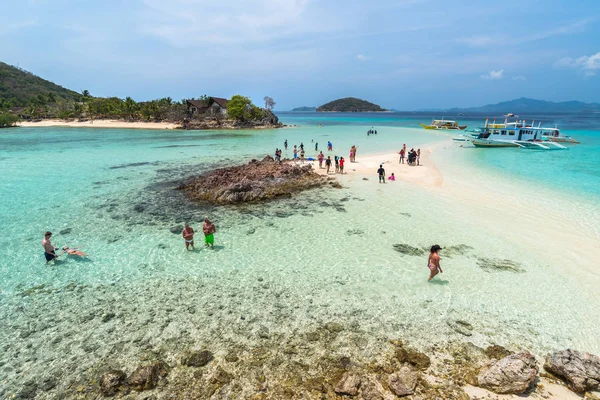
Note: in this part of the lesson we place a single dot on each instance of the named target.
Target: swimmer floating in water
(73, 252)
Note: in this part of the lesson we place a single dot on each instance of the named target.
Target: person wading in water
(433, 263)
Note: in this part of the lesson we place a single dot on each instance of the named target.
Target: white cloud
(478, 41)
(587, 64)
(519, 78)
(493, 75)
(185, 23)
(361, 57)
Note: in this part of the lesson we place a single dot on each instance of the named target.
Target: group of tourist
(50, 250)
(372, 132)
(208, 229)
(412, 158)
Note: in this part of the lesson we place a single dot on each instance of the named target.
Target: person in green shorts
(209, 230)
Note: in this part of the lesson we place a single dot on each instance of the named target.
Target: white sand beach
(100, 123)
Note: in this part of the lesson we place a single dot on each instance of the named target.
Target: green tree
(7, 120)
(239, 108)
(130, 107)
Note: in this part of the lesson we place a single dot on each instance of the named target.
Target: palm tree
(130, 107)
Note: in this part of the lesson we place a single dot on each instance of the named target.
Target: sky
(401, 54)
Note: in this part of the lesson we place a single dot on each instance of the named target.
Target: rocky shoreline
(254, 182)
(306, 367)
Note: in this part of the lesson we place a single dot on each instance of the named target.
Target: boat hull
(491, 143)
(443, 128)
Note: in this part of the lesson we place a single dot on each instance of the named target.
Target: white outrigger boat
(518, 134)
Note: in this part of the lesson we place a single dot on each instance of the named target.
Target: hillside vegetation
(525, 104)
(19, 88)
(26, 96)
(349, 104)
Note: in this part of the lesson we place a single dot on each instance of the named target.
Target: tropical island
(29, 100)
(304, 109)
(350, 104)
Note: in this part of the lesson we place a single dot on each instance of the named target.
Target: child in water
(391, 177)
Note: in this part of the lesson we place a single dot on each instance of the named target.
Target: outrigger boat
(518, 134)
(444, 124)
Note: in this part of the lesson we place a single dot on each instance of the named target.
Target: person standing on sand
(402, 154)
(209, 230)
(337, 164)
(188, 236)
(285, 144)
(295, 153)
(433, 263)
(381, 173)
(321, 156)
(342, 165)
(354, 156)
(328, 164)
(418, 156)
(49, 249)
(302, 155)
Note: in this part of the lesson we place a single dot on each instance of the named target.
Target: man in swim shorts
(209, 230)
(188, 236)
(49, 249)
(381, 173)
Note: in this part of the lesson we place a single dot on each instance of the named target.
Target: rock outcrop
(580, 370)
(268, 121)
(147, 376)
(111, 382)
(511, 375)
(348, 385)
(255, 181)
(403, 382)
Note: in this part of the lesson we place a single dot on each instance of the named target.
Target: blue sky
(403, 54)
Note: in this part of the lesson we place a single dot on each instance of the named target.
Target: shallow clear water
(286, 266)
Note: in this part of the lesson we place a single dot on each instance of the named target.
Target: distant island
(30, 100)
(304, 109)
(525, 104)
(350, 104)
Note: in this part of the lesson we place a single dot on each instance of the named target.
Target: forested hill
(18, 88)
(531, 105)
(349, 104)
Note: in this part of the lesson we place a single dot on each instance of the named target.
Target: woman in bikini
(433, 263)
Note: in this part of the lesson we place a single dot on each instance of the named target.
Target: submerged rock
(511, 375)
(65, 231)
(111, 382)
(349, 384)
(409, 250)
(176, 229)
(146, 377)
(497, 352)
(580, 370)
(499, 265)
(196, 358)
(334, 327)
(403, 382)
(255, 181)
(459, 326)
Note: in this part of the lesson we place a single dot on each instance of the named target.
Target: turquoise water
(286, 267)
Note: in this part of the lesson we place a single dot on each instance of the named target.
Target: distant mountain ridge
(525, 104)
(304, 109)
(349, 104)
